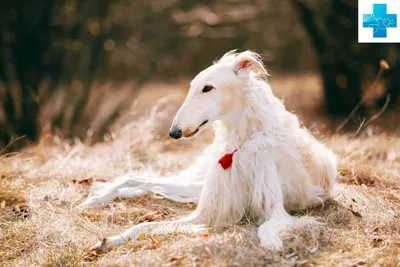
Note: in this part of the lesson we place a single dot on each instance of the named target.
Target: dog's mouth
(198, 128)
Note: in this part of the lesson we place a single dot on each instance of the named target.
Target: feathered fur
(278, 165)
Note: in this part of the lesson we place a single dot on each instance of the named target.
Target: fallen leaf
(376, 229)
(360, 262)
(303, 263)
(88, 181)
(376, 242)
(22, 210)
(150, 217)
(103, 244)
(355, 213)
(358, 179)
(90, 254)
(155, 240)
(175, 259)
(3, 204)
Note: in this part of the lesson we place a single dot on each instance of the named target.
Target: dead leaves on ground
(155, 216)
(176, 260)
(368, 181)
(303, 263)
(360, 262)
(22, 210)
(354, 211)
(145, 243)
(153, 242)
(92, 253)
(88, 181)
(156, 242)
(351, 176)
(376, 242)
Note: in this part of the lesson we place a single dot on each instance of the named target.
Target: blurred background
(73, 67)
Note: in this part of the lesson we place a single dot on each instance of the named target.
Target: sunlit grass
(360, 225)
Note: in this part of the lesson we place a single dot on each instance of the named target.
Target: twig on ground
(362, 101)
(12, 141)
(374, 117)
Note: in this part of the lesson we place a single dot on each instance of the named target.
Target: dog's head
(213, 93)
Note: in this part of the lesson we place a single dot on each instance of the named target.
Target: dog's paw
(269, 239)
(107, 244)
(101, 246)
(271, 243)
(89, 203)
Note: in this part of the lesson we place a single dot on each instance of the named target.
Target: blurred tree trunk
(86, 62)
(34, 48)
(393, 83)
(25, 42)
(333, 36)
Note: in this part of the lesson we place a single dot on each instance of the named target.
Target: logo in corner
(379, 25)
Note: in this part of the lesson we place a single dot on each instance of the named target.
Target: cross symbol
(379, 20)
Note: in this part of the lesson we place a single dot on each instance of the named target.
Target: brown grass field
(360, 225)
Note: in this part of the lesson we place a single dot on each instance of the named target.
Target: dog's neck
(247, 118)
(240, 131)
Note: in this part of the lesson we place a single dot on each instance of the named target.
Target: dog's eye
(207, 88)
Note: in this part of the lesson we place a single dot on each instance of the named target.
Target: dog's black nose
(175, 132)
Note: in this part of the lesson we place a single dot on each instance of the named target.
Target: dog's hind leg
(184, 187)
(190, 224)
(173, 188)
(104, 198)
(106, 192)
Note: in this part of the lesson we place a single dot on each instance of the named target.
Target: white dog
(261, 163)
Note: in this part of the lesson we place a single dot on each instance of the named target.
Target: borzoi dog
(261, 164)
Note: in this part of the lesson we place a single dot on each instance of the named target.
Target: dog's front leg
(192, 223)
(268, 232)
(277, 217)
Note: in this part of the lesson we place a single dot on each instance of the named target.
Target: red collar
(226, 160)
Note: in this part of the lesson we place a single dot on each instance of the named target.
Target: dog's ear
(248, 62)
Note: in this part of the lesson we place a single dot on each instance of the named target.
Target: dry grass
(38, 225)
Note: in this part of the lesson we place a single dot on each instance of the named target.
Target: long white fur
(278, 165)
